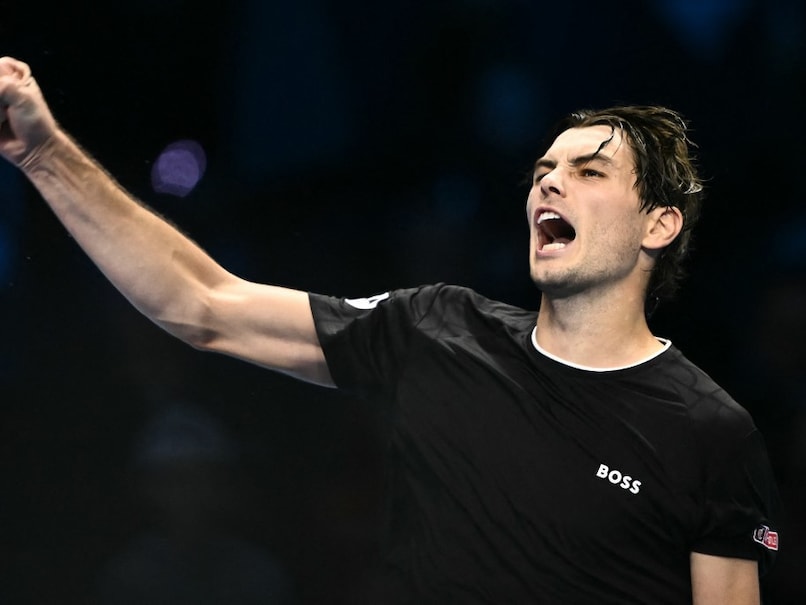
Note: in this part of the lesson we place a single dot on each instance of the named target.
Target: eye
(539, 176)
(591, 172)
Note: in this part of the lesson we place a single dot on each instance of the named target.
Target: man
(568, 456)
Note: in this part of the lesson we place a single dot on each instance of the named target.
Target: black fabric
(515, 478)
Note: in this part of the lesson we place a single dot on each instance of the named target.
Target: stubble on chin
(558, 285)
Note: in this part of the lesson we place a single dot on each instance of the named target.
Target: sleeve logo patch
(766, 537)
(367, 303)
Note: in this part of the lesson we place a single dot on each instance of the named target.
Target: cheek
(616, 231)
(530, 204)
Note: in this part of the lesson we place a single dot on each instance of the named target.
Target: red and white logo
(766, 537)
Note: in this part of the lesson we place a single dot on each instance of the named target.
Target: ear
(663, 225)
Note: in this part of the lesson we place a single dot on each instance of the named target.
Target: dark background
(352, 147)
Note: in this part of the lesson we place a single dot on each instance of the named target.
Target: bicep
(267, 325)
(724, 580)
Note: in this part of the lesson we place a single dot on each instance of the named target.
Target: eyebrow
(575, 161)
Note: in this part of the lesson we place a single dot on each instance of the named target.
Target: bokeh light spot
(11, 219)
(457, 198)
(6, 254)
(703, 25)
(509, 106)
(179, 168)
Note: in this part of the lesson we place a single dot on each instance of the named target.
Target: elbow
(192, 324)
(198, 337)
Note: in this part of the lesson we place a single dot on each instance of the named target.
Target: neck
(596, 329)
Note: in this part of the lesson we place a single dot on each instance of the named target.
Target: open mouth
(554, 232)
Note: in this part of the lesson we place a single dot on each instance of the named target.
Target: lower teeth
(556, 246)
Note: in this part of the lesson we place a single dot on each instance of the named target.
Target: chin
(555, 286)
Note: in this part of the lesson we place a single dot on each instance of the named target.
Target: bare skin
(593, 288)
(723, 581)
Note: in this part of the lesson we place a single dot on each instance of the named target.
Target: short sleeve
(367, 340)
(741, 505)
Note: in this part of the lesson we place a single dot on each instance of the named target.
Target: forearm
(161, 271)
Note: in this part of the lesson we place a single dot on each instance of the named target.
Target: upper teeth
(546, 216)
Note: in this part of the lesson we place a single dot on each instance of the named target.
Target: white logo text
(618, 478)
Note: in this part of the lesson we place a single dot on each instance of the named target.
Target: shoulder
(430, 307)
(454, 310)
(369, 341)
(714, 415)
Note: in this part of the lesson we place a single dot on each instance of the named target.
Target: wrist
(42, 154)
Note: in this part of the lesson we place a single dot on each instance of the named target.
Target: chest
(567, 462)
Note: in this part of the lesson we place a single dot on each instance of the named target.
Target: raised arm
(163, 273)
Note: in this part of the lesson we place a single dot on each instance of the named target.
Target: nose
(551, 183)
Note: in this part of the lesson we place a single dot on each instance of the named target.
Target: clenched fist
(26, 122)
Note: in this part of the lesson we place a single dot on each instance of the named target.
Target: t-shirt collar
(665, 342)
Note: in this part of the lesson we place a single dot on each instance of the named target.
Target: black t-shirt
(517, 478)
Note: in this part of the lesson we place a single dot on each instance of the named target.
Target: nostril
(549, 185)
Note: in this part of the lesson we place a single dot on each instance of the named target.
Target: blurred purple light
(179, 168)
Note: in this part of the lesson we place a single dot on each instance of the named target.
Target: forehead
(578, 142)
